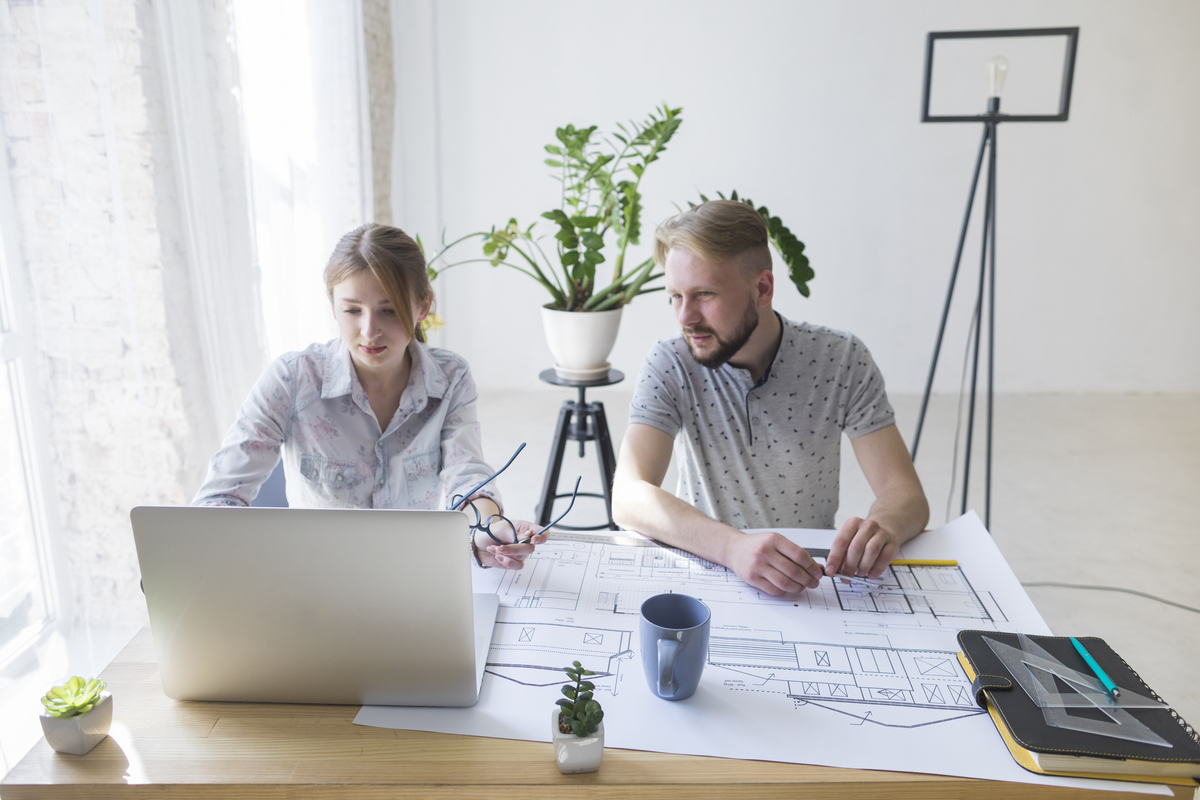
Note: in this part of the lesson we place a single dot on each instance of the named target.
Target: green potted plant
(78, 715)
(577, 724)
(599, 212)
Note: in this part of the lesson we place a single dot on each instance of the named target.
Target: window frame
(18, 358)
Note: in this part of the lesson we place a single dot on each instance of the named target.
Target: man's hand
(509, 556)
(862, 547)
(900, 511)
(772, 563)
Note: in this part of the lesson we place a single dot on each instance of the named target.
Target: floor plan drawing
(554, 576)
(943, 594)
(842, 675)
(533, 653)
(883, 677)
(592, 578)
(622, 573)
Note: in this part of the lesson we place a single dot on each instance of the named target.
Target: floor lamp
(996, 70)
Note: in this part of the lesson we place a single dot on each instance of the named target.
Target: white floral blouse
(312, 405)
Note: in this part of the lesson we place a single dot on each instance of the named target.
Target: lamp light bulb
(997, 71)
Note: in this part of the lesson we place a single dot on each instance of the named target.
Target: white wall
(812, 108)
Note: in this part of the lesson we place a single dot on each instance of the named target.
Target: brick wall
(98, 230)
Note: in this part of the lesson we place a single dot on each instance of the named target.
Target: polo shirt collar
(779, 356)
(743, 375)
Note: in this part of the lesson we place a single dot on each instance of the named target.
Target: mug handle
(667, 650)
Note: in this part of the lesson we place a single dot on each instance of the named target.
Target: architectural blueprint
(842, 675)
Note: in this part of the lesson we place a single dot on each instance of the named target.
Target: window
(302, 89)
(26, 596)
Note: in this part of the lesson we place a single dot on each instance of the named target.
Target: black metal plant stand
(580, 421)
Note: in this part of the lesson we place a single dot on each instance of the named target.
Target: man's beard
(725, 347)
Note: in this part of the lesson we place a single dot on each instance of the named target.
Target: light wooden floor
(1087, 489)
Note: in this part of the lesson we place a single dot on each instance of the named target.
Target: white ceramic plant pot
(576, 753)
(77, 735)
(580, 341)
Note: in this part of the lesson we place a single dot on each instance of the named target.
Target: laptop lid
(351, 606)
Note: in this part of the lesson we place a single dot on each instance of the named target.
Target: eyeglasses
(500, 529)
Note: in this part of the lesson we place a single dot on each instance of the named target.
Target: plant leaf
(789, 247)
(591, 240)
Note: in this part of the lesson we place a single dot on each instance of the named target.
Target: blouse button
(339, 478)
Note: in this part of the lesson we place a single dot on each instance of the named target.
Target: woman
(374, 419)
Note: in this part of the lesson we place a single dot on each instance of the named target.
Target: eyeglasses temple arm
(574, 492)
(471, 493)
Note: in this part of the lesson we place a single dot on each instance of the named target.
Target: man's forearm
(640, 506)
(901, 510)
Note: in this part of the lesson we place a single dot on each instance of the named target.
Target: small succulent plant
(580, 713)
(74, 697)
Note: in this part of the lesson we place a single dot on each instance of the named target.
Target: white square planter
(77, 735)
(576, 753)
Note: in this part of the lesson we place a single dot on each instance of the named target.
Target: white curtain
(307, 128)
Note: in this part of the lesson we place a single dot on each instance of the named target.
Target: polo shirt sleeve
(656, 396)
(866, 408)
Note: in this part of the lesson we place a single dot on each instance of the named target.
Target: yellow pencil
(923, 562)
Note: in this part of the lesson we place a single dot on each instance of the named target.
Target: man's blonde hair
(717, 231)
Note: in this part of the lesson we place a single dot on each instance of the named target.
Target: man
(755, 405)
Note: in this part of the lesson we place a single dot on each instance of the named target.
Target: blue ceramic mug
(674, 638)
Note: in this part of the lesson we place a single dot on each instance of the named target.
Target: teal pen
(1091, 662)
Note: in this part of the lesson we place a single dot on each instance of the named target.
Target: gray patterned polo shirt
(766, 454)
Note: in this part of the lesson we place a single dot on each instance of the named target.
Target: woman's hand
(509, 556)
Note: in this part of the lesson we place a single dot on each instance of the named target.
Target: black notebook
(1056, 718)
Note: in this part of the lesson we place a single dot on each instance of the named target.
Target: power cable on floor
(1112, 589)
(962, 388)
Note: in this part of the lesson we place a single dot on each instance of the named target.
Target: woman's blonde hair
(717, 231)
(394, 259)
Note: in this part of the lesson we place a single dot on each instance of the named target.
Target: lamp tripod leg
(987, 505)
(962, 238)
(987, 231)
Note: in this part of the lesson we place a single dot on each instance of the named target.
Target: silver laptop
(283, 605)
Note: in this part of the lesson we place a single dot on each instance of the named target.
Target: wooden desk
(163, 749)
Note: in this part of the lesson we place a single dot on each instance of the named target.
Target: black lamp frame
(987, 262)
(1064, 96)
